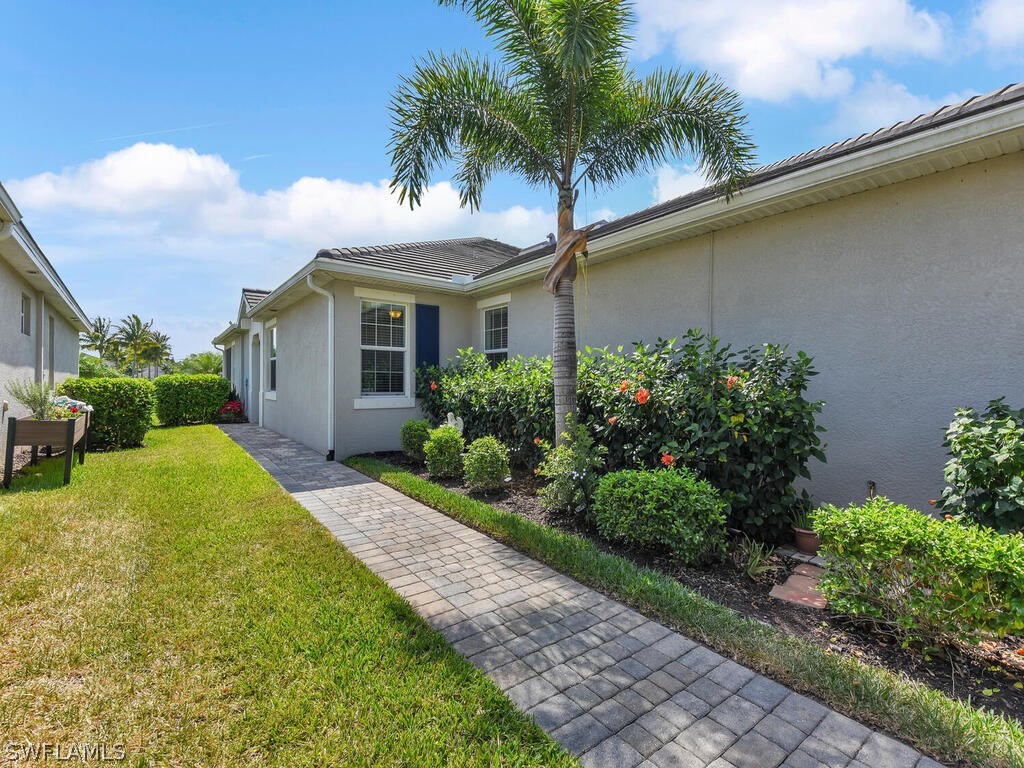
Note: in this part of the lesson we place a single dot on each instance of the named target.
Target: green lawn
(922, 716)
(175, 600)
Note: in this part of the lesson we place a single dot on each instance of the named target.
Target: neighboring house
(896, 259)
(39, 318)
(236, 348)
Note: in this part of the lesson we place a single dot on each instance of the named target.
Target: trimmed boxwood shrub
(414, 434)
(985, 472)
(123, 409)
(443, 452)
(662, 510)
(739, 419)
(932, 580)
(485, 464)
(183, 398)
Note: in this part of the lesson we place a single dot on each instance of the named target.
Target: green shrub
(932, 580)
(739, 419)
(443, 452)
(985, 474)
(183, 398)
(123, 409)
(662, 510)
(486, 464)
(572, 470)
(92, 367)
(414, 434)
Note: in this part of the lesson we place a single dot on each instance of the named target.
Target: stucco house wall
(17, 351)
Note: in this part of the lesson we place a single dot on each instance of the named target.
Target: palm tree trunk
(563, 347)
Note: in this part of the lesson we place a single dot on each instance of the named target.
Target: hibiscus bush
(739, 419)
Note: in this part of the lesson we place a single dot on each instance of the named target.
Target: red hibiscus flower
(536, 441)
(642, 396)
(433, 385)
(612, 420)
(624, 385)
(732, 381)
(668, 459)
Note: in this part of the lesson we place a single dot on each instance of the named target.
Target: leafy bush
(123, 409)
(985, 474)
(443, 452)
(486, 464)
(932, 580)
(572, 470)
(183, 398)
(739, 419)
(414, 434)
(664, 509)
(92, 367)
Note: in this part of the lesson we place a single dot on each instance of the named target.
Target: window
(496, 334)
(383, 348)
(272, 358)
(26, 315)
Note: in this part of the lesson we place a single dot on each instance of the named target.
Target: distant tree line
(134, 348)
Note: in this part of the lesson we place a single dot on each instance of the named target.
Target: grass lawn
(175, 600)
(922, 716)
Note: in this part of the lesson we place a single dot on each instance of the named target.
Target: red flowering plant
(232, 411)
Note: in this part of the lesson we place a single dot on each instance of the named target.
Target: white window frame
(406, 399)
(486, 305)
(270, 345)
(26, 314)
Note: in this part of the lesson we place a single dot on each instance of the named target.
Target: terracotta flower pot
(807, 541)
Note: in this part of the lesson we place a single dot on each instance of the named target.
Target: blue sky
(166, 154)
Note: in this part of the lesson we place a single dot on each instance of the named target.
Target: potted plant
(53, 422)
(805, 537)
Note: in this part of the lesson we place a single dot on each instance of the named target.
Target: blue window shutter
(428, 333)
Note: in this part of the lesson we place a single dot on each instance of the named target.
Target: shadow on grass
(47, 475)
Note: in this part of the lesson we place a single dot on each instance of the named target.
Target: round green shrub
(662, 510)
(183, 398)
(414, 434)
(443, 452)
(486, 464)
(123, 409)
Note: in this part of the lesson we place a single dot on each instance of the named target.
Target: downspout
(330, 362)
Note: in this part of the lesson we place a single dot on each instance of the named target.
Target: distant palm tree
(134, 338)
(158, 355)
(99, 338)
(203, 362)
(561, 109)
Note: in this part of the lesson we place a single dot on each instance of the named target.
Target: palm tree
(203, 362)
(134, 338)
(99, 338)
(158, 353)
(561, 109)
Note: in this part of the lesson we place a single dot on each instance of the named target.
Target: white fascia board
(228, 333)
(8, 208)
(815, 178)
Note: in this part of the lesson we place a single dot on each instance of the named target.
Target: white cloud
(171, 233)
(1001, 24)
(776, 50)
(671, 182)
(880, 102)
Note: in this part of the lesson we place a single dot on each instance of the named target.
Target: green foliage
(92, 367)
(38, 398)
(662, 510)
(739, 419)
(443, 452)
(190, 399)
(414, 434)
(486, 465)
(211, 363)
(934, 581)
(572, 470)
(754, 558)
(123, 409)
(985, 474)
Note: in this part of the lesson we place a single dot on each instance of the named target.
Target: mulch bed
(985, 674)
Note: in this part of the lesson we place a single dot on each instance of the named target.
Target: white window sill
(373, 403)
(270, 395)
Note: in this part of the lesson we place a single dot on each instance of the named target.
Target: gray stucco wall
(908, 297)
(17, 351)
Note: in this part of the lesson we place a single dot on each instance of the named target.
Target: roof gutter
(330, 362)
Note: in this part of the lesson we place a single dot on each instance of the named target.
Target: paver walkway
(615, 688)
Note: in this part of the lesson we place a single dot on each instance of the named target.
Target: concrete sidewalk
(615, 688)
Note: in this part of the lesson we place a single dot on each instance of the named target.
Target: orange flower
(624, 385)
(612, 420)
(732, 381)
(949, 517)
(536, 441)
(668, 459)
(642, 396)
(1020, 651)
(433, 385)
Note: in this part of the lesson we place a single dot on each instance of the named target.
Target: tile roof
(941, 116)
(438, 258)
(254, 296)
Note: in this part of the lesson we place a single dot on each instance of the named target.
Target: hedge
(183, 398)
(122, 409)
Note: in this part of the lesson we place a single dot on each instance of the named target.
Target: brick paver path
(615, 688)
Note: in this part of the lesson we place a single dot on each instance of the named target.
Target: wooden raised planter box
(70, 434)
